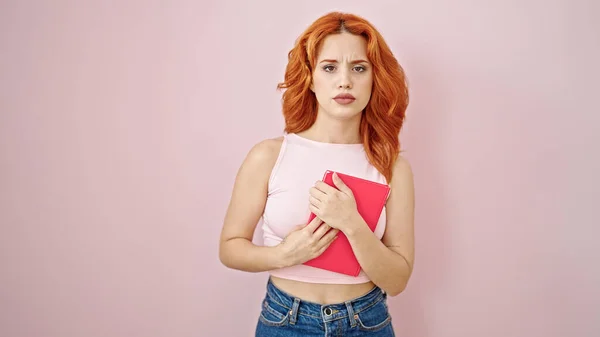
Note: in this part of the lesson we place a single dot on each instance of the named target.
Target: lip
(344, 99)
(344, 96)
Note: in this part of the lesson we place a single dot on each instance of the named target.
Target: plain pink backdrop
(122, 125)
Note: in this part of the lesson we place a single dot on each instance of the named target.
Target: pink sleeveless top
(301, 162)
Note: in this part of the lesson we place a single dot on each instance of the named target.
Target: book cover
(370, 199)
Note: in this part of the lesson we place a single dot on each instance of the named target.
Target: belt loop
(351, 315)
(294, 311)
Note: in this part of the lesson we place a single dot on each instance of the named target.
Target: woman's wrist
(355, 226)
(280, 258)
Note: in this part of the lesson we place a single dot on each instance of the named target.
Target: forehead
(344, 46)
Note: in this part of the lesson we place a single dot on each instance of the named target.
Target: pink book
(370, 199)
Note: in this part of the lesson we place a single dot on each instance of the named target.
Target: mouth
(344, 99)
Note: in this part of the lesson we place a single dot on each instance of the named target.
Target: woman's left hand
(336, 207)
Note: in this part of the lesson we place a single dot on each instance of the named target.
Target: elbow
(226, 261)
(223, 259)
(223, 256)
(400, 282)
(396, 289)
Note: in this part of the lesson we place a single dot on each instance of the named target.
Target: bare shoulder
(265, 152)
(267, 148)
(402, 173)
(402, 196)
(262, 157)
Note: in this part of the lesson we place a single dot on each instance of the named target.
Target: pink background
(122, 125)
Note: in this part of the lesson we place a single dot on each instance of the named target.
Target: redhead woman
(344, 102)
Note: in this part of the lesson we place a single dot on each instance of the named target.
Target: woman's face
(342, 68)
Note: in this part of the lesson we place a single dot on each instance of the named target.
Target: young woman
(344, 104)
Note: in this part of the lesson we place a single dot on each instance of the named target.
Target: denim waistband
(326, 312)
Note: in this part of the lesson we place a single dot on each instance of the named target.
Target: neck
(336, 131)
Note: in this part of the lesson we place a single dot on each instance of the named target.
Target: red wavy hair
(383, 116)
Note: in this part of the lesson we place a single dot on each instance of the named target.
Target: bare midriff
(322, 293)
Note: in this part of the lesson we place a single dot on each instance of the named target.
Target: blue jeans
(283, 315)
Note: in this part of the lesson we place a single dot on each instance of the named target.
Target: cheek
(322, 92)
(366, 82)
(320, 85)
(366, 88)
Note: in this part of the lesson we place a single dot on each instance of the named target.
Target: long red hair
(384, 114)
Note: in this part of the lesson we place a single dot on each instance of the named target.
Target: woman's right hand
(306, 242)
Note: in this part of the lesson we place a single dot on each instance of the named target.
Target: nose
(345, 81)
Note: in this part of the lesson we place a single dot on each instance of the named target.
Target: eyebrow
(335, 61)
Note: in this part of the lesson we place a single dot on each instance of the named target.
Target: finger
(339, 183)
(321, 231)
(315, 210)
(332, 235)
(315, 192)
(314, 201)
(326, 244)
(325, 188)
(329, 237)
(313, 224)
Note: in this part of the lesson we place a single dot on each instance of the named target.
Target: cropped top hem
(325, 280)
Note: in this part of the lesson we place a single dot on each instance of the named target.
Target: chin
(345, 112)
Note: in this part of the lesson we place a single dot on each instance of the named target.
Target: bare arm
(246, 206)
(389, 262)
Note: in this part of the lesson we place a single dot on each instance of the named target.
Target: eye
(327, 67)
(360, 69)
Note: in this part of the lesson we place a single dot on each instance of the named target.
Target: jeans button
(327, 311)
